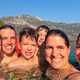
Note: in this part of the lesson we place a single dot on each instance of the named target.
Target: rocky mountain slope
(21, 21)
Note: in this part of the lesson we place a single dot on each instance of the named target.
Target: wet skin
(0, 45)
(41, 37)
(8, 41)
(28, 47)
(77, 51)
(57, 52)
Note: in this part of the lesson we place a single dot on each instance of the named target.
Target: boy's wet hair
(28, 32)
(57, 32)
(41, 27)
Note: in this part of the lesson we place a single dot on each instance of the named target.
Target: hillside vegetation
(21, 21)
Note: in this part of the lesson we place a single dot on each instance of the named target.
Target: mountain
(21, 21)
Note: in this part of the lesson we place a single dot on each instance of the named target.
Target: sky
(61, 11)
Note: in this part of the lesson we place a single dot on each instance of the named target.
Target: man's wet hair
(28, 32)
(7, 26)
(57, 32)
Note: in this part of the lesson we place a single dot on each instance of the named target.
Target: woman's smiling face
(56, 51)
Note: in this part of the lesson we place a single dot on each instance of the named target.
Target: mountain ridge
(21, 21)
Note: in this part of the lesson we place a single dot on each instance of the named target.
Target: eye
(13, 38)
(60, 47)
(24, 43)
(78, 47)
(4, 38)
(44, 35)
(49, 47)
(33, 45)
(39, 34)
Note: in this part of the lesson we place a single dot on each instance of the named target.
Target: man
(8, 34)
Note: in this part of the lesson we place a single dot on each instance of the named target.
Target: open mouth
(9, 47)
(28, 53)
(56, 60)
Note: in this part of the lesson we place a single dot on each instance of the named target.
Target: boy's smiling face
(28, 47)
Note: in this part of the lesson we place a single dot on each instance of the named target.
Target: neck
(9, 55)
(28, 61)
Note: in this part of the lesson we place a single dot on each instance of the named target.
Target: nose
(54, 52)
(29, 47)
(42, 37)
(9, 41)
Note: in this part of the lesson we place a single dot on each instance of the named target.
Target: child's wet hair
(28, 32)
(41, 27)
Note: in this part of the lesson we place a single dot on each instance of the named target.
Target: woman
(77, 50)
(41, 31)
(57, 51)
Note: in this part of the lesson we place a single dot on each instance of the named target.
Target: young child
(41, 31)
(28, 46)
(77, 50)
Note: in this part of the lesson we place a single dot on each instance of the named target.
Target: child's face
(77, 51)
(0, 45)
(28, 47)
(41, 38)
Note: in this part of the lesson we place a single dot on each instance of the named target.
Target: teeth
(56, 59)
(8, 47)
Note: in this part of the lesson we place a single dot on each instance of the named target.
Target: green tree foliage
(1, 23)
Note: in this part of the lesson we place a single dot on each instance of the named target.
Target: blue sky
(66, 11)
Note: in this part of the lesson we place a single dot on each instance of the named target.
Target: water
(72, 58)
(34, 74)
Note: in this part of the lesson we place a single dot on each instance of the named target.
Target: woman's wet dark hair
(78, 37)
(28, 32)
(57, 32)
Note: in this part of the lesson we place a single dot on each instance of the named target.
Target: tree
(1, 23)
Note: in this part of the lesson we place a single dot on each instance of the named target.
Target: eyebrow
(78, 43)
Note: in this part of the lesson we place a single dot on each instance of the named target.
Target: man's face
(8, 41)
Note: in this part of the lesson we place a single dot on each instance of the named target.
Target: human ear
(69, 50)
